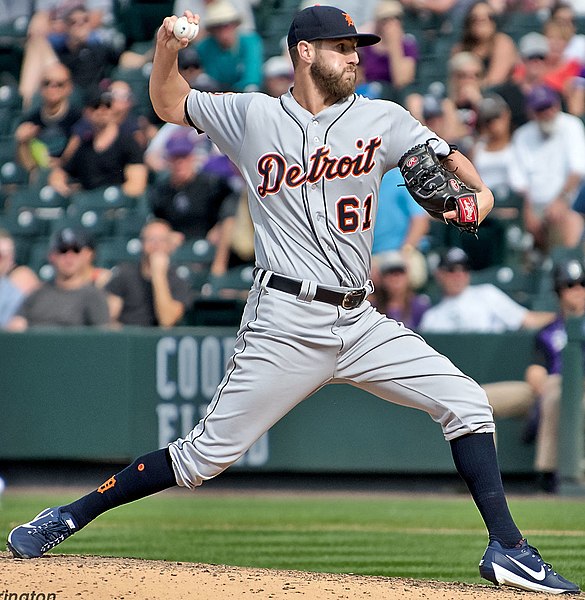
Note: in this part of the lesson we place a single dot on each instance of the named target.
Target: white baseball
(184, 29)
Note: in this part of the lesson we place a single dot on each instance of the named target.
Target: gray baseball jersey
(312, 181)
(313, 184)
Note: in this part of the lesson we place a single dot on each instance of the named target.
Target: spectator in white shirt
(492, 151)
(548, 169)
(467, 308)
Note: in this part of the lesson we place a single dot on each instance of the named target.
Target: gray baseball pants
(287, 349)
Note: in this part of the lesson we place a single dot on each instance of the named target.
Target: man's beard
(548, 127)
(330, 83)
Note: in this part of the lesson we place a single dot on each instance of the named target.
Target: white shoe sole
(505, 577)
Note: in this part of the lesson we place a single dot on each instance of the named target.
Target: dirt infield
(89, 577)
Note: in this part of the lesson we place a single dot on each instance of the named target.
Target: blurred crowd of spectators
(503, 80)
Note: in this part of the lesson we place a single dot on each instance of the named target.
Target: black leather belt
(347, 300)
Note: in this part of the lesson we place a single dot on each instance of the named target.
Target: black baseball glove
(437, 189)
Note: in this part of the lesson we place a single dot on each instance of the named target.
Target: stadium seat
(273, 18)
(48, 197)
(235, 283)
(38, 259)
(102, 199)
(487, 250)
(130, 224)
(194, 253)
(519, 23)
(545, 297)
(516, 282)
(90, 221)
(196, 278)
(7, 148)
(12, 174)
(113, 251)
(437, 235)
(10, 108)
(215, 312)
(560, 254)
(36, 198)
(193, 259)
(11, 55)
(22, 248)
(23, 223)
(508, 204)
(508, 212)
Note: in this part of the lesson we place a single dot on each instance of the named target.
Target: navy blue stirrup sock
(476, 461)
(147, 475)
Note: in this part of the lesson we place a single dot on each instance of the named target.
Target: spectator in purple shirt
(540, 393)
(392, 62)
(398, 299)
(545, 375)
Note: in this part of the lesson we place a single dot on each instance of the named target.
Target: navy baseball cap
(568, 274)
(454, 257)
(326, 23)
(70, 238)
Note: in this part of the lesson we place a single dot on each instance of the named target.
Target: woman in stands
(481, 37)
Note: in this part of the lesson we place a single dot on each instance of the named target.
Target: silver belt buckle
(353, 299)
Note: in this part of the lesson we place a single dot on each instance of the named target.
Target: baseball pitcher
(312, 161)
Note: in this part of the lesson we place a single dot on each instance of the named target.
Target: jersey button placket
(316, 143)
(315, 134)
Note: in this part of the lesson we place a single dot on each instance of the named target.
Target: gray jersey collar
(327, 115)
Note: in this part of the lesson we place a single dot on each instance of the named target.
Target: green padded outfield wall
(112, 395)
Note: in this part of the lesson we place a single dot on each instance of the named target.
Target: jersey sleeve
(406, 132)
(221, 116)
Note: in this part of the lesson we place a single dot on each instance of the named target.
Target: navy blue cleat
(522, 568)
(48, 529)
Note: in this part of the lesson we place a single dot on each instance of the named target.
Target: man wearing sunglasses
(44, 131)
(100, 155)
(70, 299)
(479, 308)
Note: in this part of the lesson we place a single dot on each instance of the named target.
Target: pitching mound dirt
(81, 577)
